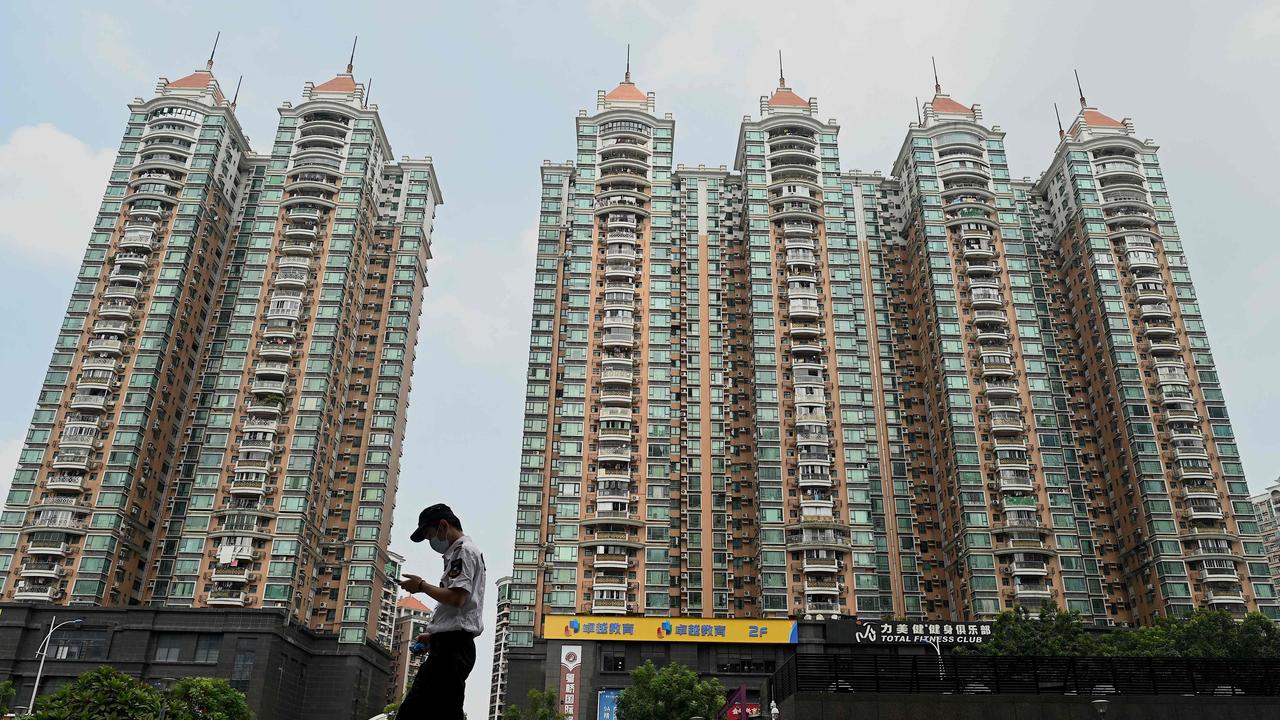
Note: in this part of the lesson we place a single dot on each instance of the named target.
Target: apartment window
(79, 645)
(242, 670)
(168, 648)
(207, 647)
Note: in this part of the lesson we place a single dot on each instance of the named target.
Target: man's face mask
(438, 542)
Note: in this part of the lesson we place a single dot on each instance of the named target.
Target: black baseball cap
(428, 518)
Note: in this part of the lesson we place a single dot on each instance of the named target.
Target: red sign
(742, 711)
(570, 675)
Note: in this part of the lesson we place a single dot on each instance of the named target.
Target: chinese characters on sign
(570, 675)
(587, 627)
(935, 633)
(607, 704)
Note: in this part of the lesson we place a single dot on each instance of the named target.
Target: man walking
(439, 686)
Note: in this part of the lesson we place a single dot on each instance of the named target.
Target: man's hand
(412, 584)
(424, 638)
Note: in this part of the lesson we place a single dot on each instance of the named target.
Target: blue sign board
(607, 704)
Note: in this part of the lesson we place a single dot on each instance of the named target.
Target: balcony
(821, 587)
(271, 387)
(813, 437)
(1032, 592)
(1005, 422)
(609, 606)
(226, 598)
(302, 248)
(1028, 567)
(276, 350)
(1216, 571)
(225, 573)
(1015, 481)
(48, 570)
(992, 336)
(997, 366)
(122, 292)
(110, 346)
(975, 268)
(821, 607)
(248, 486)
(56, 548)
(1000, 389)
(610, 560)
(1164, 346)
(1156, 310)
(138, 239)
(961, 169)
(803, 308)
(1204, 509)
(1224, 597)
(620, 452)
(815, 477)
(986, 297)
(1150, 292)
(806, 347)
(37, 592)
(812, 417)
(621, 339)
(64, 481)
(616, 395)
(265, 406)
(57, 523)
(72, 460)
(112, 327)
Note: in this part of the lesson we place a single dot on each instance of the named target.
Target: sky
(490, 90)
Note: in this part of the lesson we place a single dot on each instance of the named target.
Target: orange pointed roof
(783, 97)
(197, 80)
(412, 603)
(628, 92)
(340, 84)
(944, 104)
(1097, 119)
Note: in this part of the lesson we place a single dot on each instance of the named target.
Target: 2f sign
(757, 631)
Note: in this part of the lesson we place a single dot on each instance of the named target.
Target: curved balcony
(44, 548)
(76, 459)
(992, 336)
(986, 297)
(143, 212)
(1000, 389)
(618, 339)
(816, 586)
(815, 538)
(118, 328)
(265, 406)
(1142, 259)
(970, 220)
(611, 560)
(228, 574)
(990, 318)
(1016, 464)
(615, 202)
(248, 484)
(36, 592)
(87, 401)
(1218, 571)
(968, 169)
(620, 376)
(795, 211)
(1005, 423)
(162, 161)
(1158, 329)
(226, 598)
(1015, 481)
(1150, 292)
(301, 232)
(808, 377)
(621, 253)
(805, 348)
(616, 395)
(1120, 170)
(803, 308)
(615, 452)
(1232, 599)
(60, 524)
(976, 268)
(636, 162)
(997, 366)
(813, 437)
(135, 239)
(302, 248)
(122, 292)
(290, 277)
(815, 478)
(275, 351)
(64, 482)
(827, 565)
(303, 214)
(119, 309)
(1029, 567)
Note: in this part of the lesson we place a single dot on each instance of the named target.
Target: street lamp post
(43, 653)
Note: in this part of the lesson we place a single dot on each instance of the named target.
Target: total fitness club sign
(874, 632)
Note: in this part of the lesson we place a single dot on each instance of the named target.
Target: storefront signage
(570, 677)
(706, 630)
(875, 632)
(607, 704)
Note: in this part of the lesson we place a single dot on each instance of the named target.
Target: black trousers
(441, 681)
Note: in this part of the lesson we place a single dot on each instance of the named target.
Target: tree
(1055, 633)
(7, 692)
(542, 705)
(202, 698)
(101, 694)
(673, 693)
(391, 709)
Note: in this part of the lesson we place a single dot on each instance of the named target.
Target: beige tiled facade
(222, 420)
(788, 389)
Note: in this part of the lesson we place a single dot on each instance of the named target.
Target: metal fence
(1025, 675)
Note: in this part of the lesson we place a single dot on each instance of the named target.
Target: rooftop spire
(627, 76)
(919, 120)
(351, 63)
(1082, 101)
(368, 90)
(209, 65)
(782, 77)
(937, 86)
(1061, 132)
(236, 96)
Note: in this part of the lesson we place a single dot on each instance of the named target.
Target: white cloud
(50, 186)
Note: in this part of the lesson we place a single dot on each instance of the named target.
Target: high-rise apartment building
(411, 620)
(1267, 506)
(222, 419)
(790, 389)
